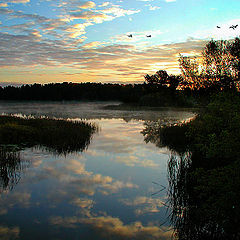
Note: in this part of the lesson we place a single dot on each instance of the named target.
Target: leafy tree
(217, 68)
(163, 80)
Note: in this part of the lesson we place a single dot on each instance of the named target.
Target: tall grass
(11, 166)
(60, 136)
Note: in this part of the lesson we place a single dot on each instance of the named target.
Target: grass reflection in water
(204, 171)
(56, 136)
(11, 166)
(59, 136)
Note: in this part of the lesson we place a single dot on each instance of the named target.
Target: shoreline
(131, 107)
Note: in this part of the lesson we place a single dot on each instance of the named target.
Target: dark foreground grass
(60, 136)
(205, 181)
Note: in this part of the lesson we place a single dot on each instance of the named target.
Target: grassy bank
(204, 178)
(59, 136)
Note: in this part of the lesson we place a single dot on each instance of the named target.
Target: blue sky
(72, 40)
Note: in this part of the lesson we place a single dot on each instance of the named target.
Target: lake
(116, 189)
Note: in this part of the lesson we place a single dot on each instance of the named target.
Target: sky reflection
(105, 192)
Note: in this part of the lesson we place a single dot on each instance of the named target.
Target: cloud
(83, 203)
(113, 228)
(13, 199)
(87, 5)
(92, 44)
(77, 168)
(117, 61)
(77, 181)
(119, 12)
(17, 1)
(7, 233)
(36, 33)
(73, 4)
(106, 183)
(3, 4)
(105, 4)
(144, 205)
(132, 161)
(153, 8)
(91, 16)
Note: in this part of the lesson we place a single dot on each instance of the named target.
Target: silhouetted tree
(219, 67)
(163, 80)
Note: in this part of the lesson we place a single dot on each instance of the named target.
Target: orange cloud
(112, 227)
(3, 4)
(87, 5)
(7, 233)
(18, 1)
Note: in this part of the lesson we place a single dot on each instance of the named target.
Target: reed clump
(57, 135)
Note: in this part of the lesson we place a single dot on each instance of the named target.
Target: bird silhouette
(218, 27)
(130, 35)
(234, 26)
(149, 36)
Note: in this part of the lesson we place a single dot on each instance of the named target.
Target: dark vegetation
(53, 135)
(204, 170)
(11, 166)
(204, 167)
(205, 182)
(59, 136)
(146, 94)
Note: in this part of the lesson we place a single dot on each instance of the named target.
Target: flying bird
(218, 27)
(130, 35)
(148, 35)
(234, 26)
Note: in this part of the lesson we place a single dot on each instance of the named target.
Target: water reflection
(103, 193)
(9, 233)
(204, 202)
(166, 133)
(11, 166)
(86, 110)
(108, 227)
(54, 135)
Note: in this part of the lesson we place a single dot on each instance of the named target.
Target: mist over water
(109, 191)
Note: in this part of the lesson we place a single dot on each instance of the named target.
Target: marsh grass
(11, 166)
(59, 136)
(204, 182)
(170, 135)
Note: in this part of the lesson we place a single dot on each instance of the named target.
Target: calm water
(116, 189)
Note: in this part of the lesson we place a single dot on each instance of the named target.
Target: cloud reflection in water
(103, 193)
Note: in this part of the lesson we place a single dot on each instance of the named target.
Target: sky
(43, 41)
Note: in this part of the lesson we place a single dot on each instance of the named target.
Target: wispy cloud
(105, 4)
(17, 1)
(144, 205)
(3, 4)
(153, 8)
(116, 60)
(87, 5)
(66, 41)
(93, 44)
(112, 227)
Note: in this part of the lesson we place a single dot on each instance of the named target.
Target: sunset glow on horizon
(43, 41)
